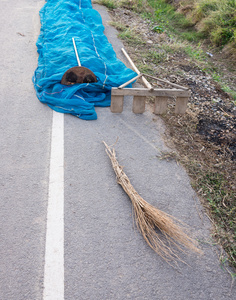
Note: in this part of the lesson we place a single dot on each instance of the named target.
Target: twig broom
(150, 220)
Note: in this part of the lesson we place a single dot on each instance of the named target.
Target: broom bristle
(149, 220)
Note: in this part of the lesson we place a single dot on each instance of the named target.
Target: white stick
(145, 82)
(76, 53)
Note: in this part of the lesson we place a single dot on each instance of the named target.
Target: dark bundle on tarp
(61, 21)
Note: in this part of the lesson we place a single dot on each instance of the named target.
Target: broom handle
(76, 53)
(146, 83)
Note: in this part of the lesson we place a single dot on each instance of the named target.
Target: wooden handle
(130, 81)
(168, 82)
(76, 53)
(145, 82)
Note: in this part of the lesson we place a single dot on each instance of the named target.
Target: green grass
(217, 77)
(165, 17)
(127, 34)
(228, 90)
(111, 4)
(222, 203)
(119, 26)
(147, 69)
(156, 56)
(216, 18)
(175, 46)
(195, 52)
(130, 36)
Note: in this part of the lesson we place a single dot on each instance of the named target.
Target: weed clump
(217, 19)
(111, 4)
(214, 19)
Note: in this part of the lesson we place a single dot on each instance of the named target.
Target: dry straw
(162, 232)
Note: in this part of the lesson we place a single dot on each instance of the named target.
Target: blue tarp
(62, 20)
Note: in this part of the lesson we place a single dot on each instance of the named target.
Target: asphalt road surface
(96, 251)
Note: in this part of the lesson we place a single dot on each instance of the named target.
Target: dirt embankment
(214, 19)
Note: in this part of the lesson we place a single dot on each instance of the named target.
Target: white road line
(54, 250)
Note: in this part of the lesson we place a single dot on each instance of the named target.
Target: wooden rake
(180, 93)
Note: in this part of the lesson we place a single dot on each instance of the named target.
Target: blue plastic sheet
(62, 20)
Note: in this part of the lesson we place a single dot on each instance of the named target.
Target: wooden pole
(144, 80)
(130, 81)
(168, 82)
(76, 53)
